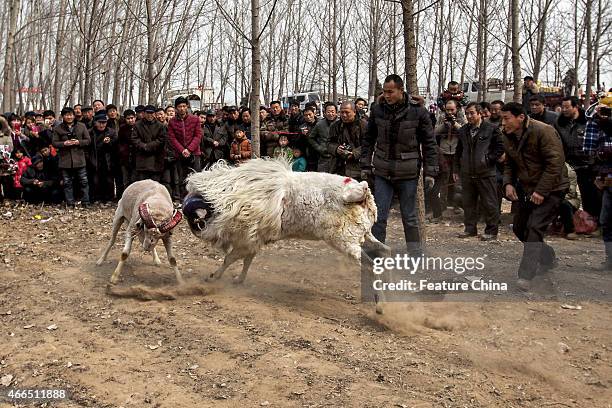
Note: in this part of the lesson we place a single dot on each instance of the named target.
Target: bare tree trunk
(589, 46)
(467, 48)
(334, 49)
(8, 88)
(413, 89)
(59, 46)
(255, 76)
(506, 55)
(410, 48)
(516, 58)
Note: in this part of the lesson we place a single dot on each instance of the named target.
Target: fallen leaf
(6, 380)
(52, 327)
(571, 307)
(29, 326)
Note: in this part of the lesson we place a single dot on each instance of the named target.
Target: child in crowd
(241, 148)
(299, 162)
(283, 148)
(23, 162)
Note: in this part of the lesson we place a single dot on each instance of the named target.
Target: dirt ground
(294, 335)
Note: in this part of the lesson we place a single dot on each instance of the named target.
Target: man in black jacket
(571, 127)
(398, 131)
(478, 149)
(148, 141)
(104, 158)
(539, 111)
(71, 138)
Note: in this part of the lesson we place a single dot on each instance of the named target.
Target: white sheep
(263, 201)
(147, 207)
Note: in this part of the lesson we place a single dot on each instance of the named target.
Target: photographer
(446, 137)
(344, 142)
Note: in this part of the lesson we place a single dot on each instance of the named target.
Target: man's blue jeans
(81, 175)
(384, 190)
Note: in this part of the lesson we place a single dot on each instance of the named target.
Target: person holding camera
(70, 138)
(345, 142)
(447, 137)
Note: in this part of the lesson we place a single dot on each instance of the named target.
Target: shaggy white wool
(262, 201)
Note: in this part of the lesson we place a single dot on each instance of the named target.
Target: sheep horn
(172, 222)
(143, 210)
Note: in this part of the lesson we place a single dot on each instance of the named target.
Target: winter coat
(318, 137)
(572, 136)
(536, 160)
(476, 156)
(271, 129)
(148, 141)
(350, 135)
(394, 140)
(105, 155)
(185, 133)
(71, 157)
(124, 144)
(447, 137)
(49, 179)
(211, 134)
(548, 117)
(22, 165)
(242, 148)
(299, 164)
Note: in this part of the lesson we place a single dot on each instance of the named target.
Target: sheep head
(152, 231)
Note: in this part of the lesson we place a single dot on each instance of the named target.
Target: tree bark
(516, 58)
(255, 76)
(8, 87)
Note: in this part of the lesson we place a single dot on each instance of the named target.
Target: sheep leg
(168, 245)
(229, 259)
(245, 268)
(124, 255)
(357, 254)
(376, 245)
(156, 259)
(117, 221)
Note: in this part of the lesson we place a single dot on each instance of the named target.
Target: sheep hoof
(100, 262)
(379, 309)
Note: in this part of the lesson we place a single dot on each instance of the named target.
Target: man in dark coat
(539, 112)
(71, 138)
(345, 141)
(479, 147)
(571, 126)
(398, 131)
(104, 158)
(535, 159)
(124, 147)
(148, 141)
